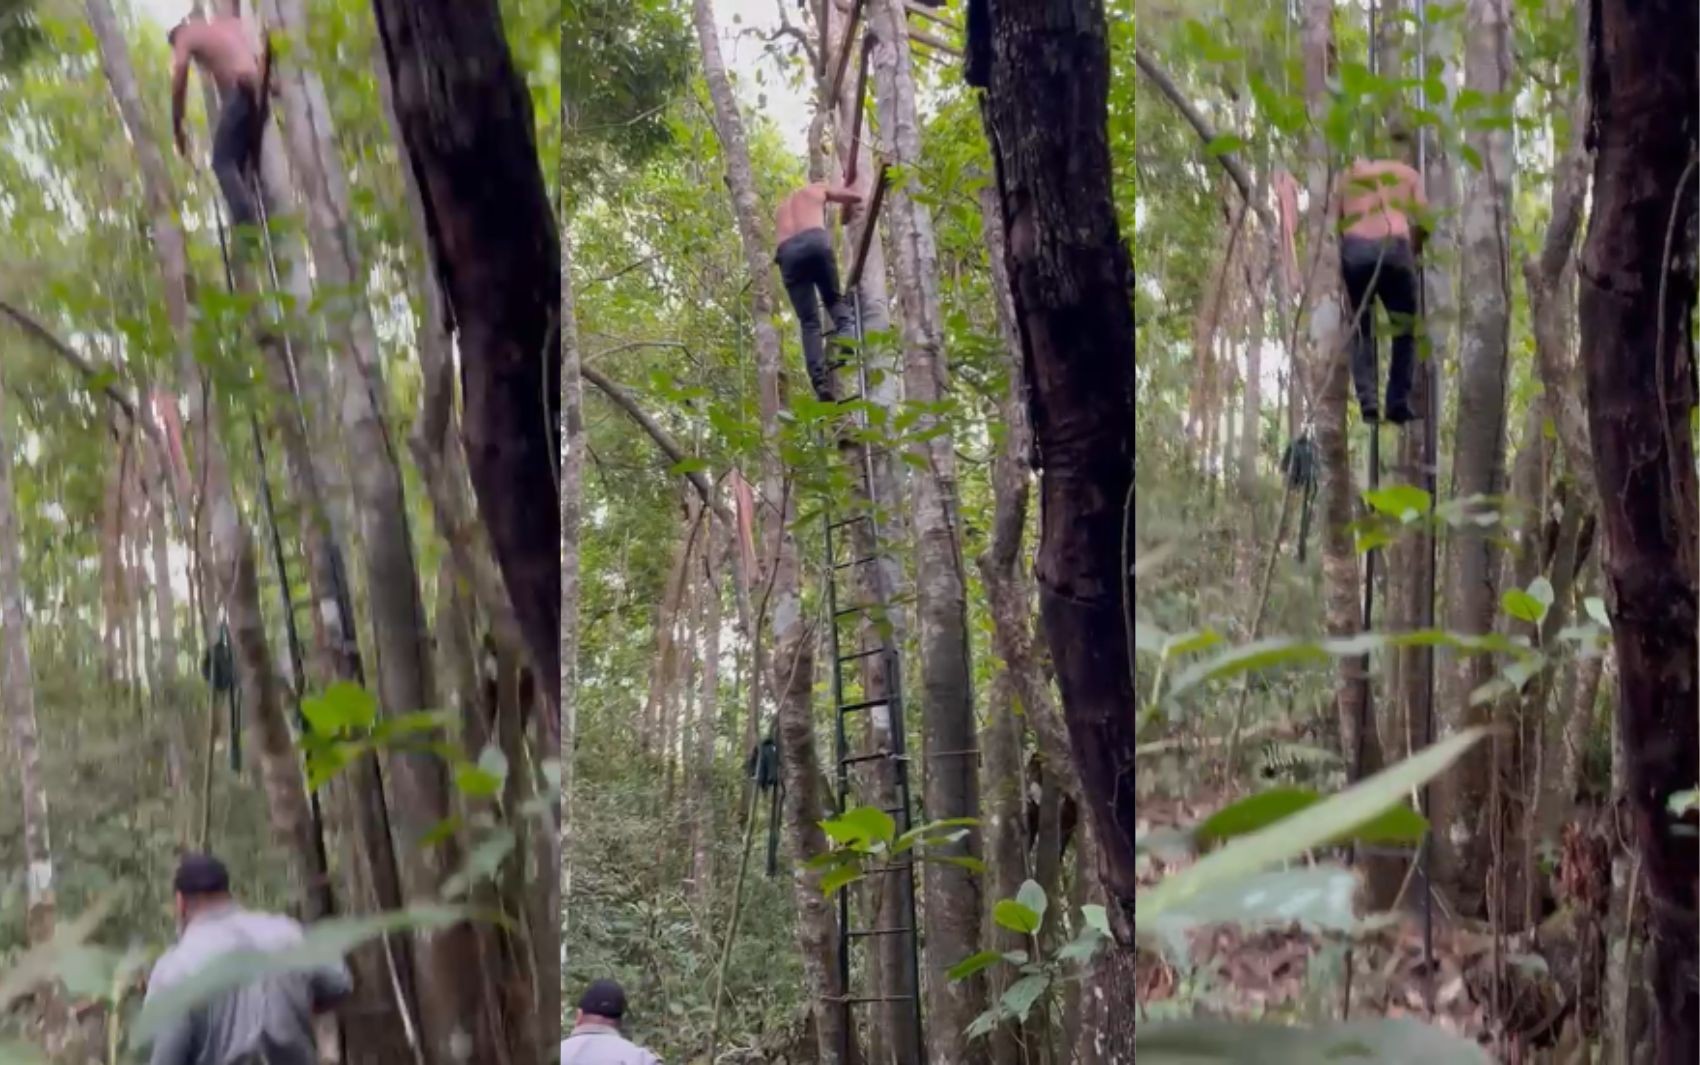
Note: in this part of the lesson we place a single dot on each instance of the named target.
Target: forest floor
(1290, 973)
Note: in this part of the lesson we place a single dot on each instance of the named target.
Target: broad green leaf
(1032, 896)
(844, 875)
(860, 827)
(492, 761)
(344, 707)
(925, 833)
(1683, 801)
(1596, 607)
(1148, 638)
(1097, 917)
(476, 783)
(1081, 947)
(1014, 916)
(326, 942)
(688, 465)
(1384, 1041)
(1402, 502)
(482, 863)
(1022, 994)
(1317, 896)
(1522, 606)
(972, 964)
(1307, 829)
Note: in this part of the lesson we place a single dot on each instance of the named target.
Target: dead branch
(668, 446)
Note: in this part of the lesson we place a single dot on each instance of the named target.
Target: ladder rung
(860, 654)
(865, 704)
(854, 999)
(856, 562)
(847, 521)
(895, 867)
(854, 608)
(863, 933)
(855, 758)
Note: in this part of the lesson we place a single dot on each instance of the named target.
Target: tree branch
(672, 450)
(31, 325)
(1197, 121)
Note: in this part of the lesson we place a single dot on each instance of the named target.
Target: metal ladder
(904, 924)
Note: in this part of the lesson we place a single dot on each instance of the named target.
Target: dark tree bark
(1637, 281)
(466, 119)
(1072, 281)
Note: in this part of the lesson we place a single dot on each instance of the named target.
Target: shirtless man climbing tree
(1379, 246)
(804, 255)
(225, 52)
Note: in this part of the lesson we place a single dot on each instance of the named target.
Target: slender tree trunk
(951, 897)
(1464, 848)
(1637, 275)
(1072, 282)
(1006, 852)
(1329, 332)
(572, 517)
(19, 699)
(793, 643)
(879, 477)
(701, 777)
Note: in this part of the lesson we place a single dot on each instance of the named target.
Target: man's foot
(1370, 414)
(1402, 413)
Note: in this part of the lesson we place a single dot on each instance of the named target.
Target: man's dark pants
(807, 267)
(1381, 268)
(236, 152)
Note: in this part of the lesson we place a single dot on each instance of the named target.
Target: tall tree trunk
(793, 658)
(572, 517)
(1072, 282)
(950, 898)
(19, 698)
(1006, 853)
(1464, 839)
(879, 476)
(1329, 334)
(701, 761)
(1637, 276)
(466, 118)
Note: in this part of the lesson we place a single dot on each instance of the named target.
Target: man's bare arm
(843, 194)
(179, 89)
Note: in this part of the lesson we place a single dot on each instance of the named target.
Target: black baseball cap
(604, 998)
(201, 874)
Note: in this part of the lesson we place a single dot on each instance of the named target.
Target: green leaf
(326, 942)
(1596, 607)
(972, 964)
(482, 864)
(1317, 896)
(1390, 1041)
(1253, 813)
(1306, 829)
(1683, 801)
(1032, 896)
(1224, 144)
(492, 761)
(1014, 916)
(1188, 642)
(344, 707)
(688, 465)
(840, 877)
(1082, 947)
(860, 827)
(475, 782)
(924, 833)
(1522, 606)
(1019, 999)
(1096, 917)
(1402, 502)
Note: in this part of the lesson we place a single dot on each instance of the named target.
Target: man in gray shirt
(596, 1038)
(267, 1021)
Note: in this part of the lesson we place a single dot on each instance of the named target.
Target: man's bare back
(223, 48)
(1376, 197)
(805, 209)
